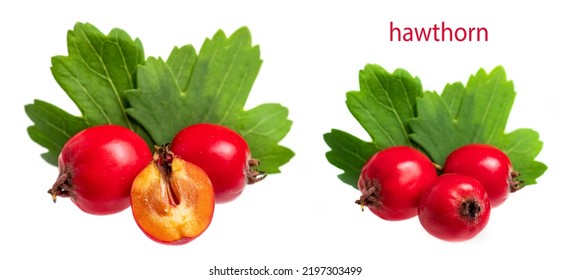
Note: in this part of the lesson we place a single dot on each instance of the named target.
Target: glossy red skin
(402, 173)
(439, 208)
(487, 164)
(219, 151)
(103, 162)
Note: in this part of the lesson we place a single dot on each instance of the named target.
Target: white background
(304, 216)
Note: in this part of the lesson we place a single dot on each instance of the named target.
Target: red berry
(97, 167)
(488, 165)
(222, 153)
(455, 208)
(392, 180)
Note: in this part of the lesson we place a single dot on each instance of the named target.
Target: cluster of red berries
(401, 182)
(105, 169)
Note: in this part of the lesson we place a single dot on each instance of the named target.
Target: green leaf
(223, 76)
(159, 104)
(476, 113)
(181, 61)
(452, 95)
(522, 146)
(210, 87)
(52, 127)
(383, 106)
(97, 71)
(263, 127)
(348, 153)
(95, 75)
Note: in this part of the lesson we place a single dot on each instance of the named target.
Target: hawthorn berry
(222, 153)
(489, 165)
(455, 208)
(172, 200)
(392, 180)
(97, 167)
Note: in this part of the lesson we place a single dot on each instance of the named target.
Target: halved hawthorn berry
(172, 200)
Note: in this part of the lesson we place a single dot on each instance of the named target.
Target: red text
(438, 33)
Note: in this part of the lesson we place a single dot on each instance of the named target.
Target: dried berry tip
(470, 209)
(62, 186)
(514, 183)
(253, 175)
(370, 195)
(162, 155)
(163, 159)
